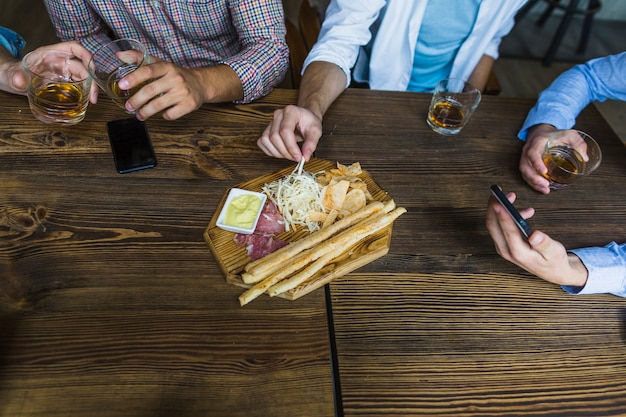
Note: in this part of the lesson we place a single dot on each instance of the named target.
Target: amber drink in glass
(114, 61)
(58, 86)
(452, 105)
(570, 155)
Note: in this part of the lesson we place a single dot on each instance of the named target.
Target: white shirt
(346, 29)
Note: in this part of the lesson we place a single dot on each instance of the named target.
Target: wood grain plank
(442, 325)
(110, 300)
(476, 345)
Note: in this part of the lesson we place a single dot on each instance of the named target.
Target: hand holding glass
(58, 86)
(569, 155)
(115, 60)
(452, 105)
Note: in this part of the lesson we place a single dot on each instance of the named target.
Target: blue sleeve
(11, 41)
(597, 80)
(607, 270)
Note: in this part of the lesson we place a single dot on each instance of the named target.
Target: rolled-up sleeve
(607, 270)
(597, 80)
(345, 29)
(264, 58)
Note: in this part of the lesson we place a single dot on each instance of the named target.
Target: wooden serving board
(232, 259)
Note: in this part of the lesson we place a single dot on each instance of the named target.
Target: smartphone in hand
(521, 223)
(131, 146)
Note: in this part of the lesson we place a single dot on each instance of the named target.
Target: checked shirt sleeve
(263, 60)
(75, 20)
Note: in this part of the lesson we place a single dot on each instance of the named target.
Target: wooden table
(442, 325)
(111, 303)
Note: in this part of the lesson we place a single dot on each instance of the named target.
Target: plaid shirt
(246, 35)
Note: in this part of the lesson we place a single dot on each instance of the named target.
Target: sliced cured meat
(271, 221)
(263, 242)
(258, 244)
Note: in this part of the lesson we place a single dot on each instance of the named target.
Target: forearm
(321, 84)
(6, 58)
(221, 84)
(480, 75)
(263, 56)
(578, 273)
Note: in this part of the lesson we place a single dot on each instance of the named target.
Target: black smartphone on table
(131, 145)
(521, 223)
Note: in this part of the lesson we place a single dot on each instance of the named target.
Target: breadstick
(259, 288)
(273, 261)
(345, 239)
(300, 277)
(336, 243)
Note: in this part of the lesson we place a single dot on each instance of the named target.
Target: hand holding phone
(521, 223)
(131, 146)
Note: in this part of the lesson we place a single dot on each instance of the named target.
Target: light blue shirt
(597, 80)
(559, 105)
(11, 41)
(443, 31)
(607, 270)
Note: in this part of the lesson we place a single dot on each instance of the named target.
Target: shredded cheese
(296, 195)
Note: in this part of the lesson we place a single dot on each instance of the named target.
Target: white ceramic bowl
(234, 193)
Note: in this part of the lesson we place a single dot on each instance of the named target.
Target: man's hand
(177, 91)
(290, 126)
(321, 84)
(531, 164)
(13, 79)
(541, 255)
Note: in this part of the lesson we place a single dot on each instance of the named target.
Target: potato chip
(355, 200)
(352, 170)
(344, 192)
(334, 194)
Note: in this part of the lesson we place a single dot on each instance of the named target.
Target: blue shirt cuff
(12, 42)
(606, 267)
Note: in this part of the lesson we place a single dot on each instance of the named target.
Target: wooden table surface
(442, 325)
(111, 303)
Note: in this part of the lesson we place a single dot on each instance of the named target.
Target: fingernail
(129, 107)
(123, 84)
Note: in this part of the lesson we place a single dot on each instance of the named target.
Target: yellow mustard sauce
(242, 211)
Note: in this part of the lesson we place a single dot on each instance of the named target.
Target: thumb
(308, 147)
(543, 244)
(18, 81)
